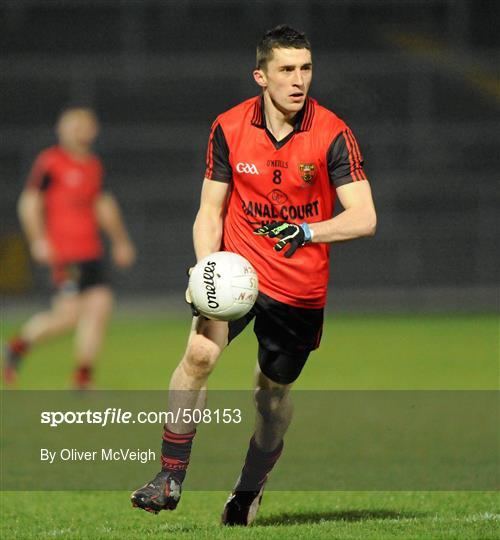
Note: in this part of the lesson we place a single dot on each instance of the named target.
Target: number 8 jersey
(293, 180)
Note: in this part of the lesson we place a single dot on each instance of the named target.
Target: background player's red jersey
(70, 189)
(289, 180)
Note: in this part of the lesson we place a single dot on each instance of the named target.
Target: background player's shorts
(78, 276)
(280, 327)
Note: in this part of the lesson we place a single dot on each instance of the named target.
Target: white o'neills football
(223, 286)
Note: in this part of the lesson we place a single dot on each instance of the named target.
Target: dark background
(417, 81)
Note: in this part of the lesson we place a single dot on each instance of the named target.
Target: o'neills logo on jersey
(307, 172)
(277, 163)
(248, 168)
(210, 290)
(284, 213)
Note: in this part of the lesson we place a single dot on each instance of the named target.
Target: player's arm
(357, 220)
(110, 220)
(207, 228)
(30, 209)
(345, 168)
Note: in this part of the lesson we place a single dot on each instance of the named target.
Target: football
(223, 286)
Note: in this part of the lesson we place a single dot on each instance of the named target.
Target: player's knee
(99, 300)
(200, 357)
(271, 403)
(103, 297)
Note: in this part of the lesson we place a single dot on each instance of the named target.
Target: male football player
(274, 167)
(61, 209)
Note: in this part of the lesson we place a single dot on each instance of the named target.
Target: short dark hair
(279, 37)
(68, 109)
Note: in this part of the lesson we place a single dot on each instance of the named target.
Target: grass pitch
(283, 515)
(407, 352)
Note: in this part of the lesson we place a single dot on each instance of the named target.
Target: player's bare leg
(187, 389)
(273, 416)
(206, 341)
(96, 305)
(274, 411)
(61, 318)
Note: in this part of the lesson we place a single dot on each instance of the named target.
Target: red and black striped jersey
(293, 180)
(70, 189)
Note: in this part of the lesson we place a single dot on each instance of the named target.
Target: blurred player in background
(61, 209)
(275, 164)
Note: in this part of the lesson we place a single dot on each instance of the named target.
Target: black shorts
(78, 276)
(286, 335)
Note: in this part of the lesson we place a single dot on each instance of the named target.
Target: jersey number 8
(277, 176)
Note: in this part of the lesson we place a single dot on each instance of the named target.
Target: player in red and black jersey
(61, 209)
(275, 165)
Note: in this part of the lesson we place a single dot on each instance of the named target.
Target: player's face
(287, 78)
(77, 129)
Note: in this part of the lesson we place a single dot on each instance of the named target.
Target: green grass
(96, 515)
(407, 352)
(390, 352)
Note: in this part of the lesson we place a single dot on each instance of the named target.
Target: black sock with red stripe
(82, 376)
(19, 346)
(258, 465)
(16, 349)
(175, 452)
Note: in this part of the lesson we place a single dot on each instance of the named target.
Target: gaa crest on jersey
(307, 172)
